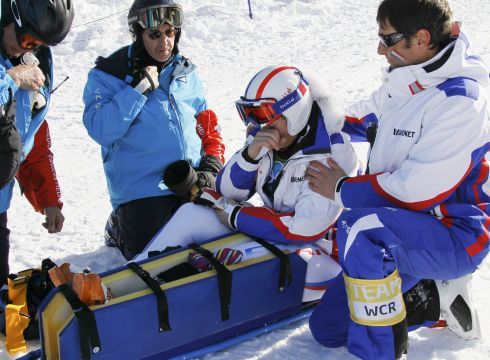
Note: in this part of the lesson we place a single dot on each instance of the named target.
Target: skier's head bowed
(29, 24)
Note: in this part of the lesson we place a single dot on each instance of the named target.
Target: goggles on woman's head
(153, 17)
(260, 111)
(266, 111)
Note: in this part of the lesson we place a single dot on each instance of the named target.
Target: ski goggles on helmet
(153, 17)
(266, 111)
(391, 39)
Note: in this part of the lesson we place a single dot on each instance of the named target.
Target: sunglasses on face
(26, 40)
(157, 34)
(390, 39)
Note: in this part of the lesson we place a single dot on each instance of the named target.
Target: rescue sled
(178, 318)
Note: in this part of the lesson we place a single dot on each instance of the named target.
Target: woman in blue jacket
(141, 105)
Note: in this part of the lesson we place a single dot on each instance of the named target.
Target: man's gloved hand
(207, 171)
(227, 210)
(185, 181)
(207, 129)
(145, 80)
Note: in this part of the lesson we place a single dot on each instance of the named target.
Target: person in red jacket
(37, 179)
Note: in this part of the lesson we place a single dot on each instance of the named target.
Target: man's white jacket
(292, 213)
(430, 150)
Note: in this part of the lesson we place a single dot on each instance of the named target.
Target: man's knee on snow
(329, 322)
(327, 333)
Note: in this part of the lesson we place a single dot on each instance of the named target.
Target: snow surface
(337, 38)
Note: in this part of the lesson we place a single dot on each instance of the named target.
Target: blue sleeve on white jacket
(111, 105)
(237, 178)
(360, 115)
(272, 226)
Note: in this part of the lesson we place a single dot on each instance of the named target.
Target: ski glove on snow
(185, 181)
(213, 199)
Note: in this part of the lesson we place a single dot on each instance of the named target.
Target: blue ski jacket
(141, 135)
(27, 121)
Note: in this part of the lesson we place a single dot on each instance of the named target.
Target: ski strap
(285, 272)
(162, 304)
(87, 327)
(225, 278)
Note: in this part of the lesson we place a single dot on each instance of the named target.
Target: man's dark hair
(409, 16)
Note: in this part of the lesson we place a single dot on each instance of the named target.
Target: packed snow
(335, 38)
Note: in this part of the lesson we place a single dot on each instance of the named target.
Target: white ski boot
(457, 307)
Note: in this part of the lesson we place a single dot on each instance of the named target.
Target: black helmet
(48, 20)
(153, 13)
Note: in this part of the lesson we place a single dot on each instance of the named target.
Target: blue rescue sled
(198, 311)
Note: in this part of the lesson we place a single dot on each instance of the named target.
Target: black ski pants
(135, 223)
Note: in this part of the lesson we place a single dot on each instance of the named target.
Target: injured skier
(286, 130)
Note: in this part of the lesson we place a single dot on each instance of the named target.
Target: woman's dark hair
(409, 16)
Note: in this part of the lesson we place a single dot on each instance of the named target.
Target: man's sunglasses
(157, 34)
(26, 40)
(390, 39)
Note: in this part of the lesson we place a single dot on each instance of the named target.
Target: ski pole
(249, 9)
(61, 83)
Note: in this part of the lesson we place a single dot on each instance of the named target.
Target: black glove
(10, 149)
(185, 181)
(145, 80)
(207, 171)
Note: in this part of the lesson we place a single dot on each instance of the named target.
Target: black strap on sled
(87, 327)
(224, 280)
(162, 305)
(285, 273)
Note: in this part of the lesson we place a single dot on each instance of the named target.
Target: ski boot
(457, 307)
(109, 238)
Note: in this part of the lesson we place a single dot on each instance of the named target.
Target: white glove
(37, 100)
(149, 80)
(213, 199)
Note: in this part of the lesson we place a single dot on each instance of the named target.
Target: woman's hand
(268, 138)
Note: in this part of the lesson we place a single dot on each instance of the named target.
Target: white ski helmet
(276, 91)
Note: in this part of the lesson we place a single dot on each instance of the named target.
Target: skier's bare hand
(267, 137)
(54, 219)
(322, 179)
